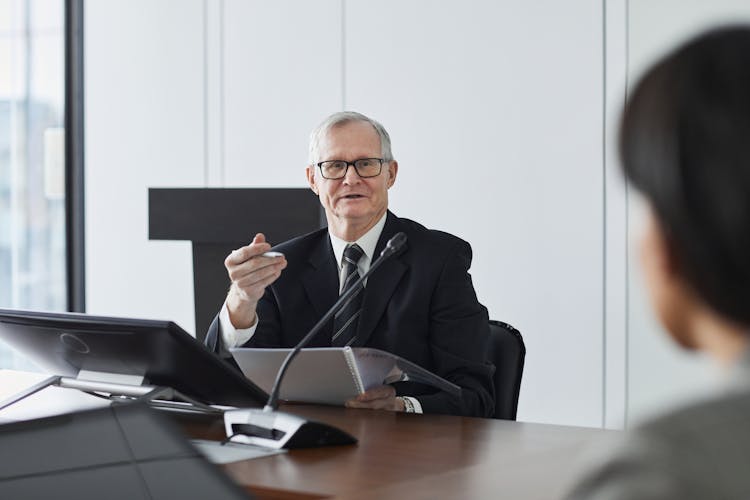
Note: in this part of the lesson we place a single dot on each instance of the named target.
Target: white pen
(272, 254)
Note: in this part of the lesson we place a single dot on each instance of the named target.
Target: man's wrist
(230, 335)
(242, 313)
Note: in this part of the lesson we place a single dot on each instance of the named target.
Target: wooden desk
(398, 455)
(421, 456)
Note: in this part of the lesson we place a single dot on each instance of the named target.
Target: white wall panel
(144, 127)
(282, 76)
(496, 114)
(213, 77)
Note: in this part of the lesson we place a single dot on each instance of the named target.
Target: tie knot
(353, 253)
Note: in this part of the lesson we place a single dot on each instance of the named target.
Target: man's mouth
(352, 196)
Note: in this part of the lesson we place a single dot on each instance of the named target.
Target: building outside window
(32, 165)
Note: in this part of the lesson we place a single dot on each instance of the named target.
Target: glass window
(32, 173)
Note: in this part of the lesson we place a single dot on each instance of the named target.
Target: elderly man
(420, 305)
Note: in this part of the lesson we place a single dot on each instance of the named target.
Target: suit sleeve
(268, 333)
(459, 341)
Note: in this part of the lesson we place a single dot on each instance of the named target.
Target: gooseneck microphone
(271, 428)
(394, 245)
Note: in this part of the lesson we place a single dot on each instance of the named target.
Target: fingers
(384, 391)
(251, 272)
(378, 398)
(256, 270)
(390, 404)
(243, 254)
(250, 258)
(261, 276)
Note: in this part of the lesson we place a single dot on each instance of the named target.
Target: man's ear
(663, 272)
(671, 296)
(310, 173)
(392, 172)
(663, 249)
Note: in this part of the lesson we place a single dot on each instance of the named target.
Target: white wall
(282, 75)
(496, 115)
(502, 115)
(144, 119)
(494, 134)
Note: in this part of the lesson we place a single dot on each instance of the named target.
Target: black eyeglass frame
(352, 164)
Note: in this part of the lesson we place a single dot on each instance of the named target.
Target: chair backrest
(508, 353)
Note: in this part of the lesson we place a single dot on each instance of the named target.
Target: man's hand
(250, 273)
(379, 398)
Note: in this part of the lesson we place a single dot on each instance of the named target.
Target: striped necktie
(346, 320)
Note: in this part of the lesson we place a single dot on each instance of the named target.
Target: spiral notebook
(332, 375)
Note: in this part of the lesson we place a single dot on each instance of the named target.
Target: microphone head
(396, 243)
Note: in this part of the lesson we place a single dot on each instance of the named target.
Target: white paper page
(218, 453)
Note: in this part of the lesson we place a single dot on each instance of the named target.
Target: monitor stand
(119, 388)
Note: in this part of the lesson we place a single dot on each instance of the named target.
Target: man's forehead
(352, 127)
(350, 135)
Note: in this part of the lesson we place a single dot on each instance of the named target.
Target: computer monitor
(159, 351)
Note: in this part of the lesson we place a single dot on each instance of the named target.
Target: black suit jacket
(420, 305)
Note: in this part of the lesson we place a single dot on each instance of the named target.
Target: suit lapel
(381, 284)
(321, 278)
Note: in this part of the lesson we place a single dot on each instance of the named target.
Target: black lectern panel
(219, 220)
(210, 276)
(120, 452)
(231, 215)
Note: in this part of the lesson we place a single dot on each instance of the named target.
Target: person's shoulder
(434, 238)
(703, 418)
(638, 465)
(710, 435)
(699, 450)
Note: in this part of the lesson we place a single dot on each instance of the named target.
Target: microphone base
(275, 429)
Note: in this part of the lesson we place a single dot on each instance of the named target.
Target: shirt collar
(366, 242)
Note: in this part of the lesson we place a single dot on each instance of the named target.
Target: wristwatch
(408, 405)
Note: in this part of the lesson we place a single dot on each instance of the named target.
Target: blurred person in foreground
(685, 146)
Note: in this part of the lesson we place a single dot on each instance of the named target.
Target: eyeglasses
(365, 167)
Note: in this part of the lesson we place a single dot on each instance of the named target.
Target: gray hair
(344, 117)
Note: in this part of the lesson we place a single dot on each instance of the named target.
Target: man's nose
(351, 176)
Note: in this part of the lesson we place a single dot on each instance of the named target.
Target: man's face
(352, 199)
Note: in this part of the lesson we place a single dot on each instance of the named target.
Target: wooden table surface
(398, 455)
(421, 456)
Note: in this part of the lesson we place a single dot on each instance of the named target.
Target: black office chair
(507, 352)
